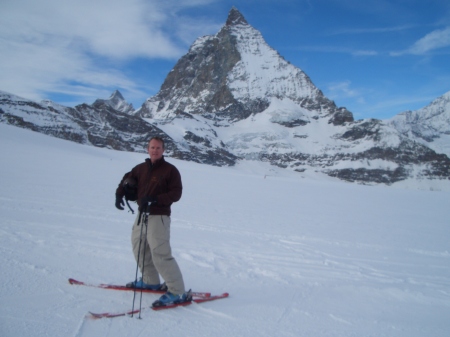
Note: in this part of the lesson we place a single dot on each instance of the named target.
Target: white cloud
(342, 89)
(435, 40)
(112, 28)
(340, 50)
(72, 46)
(365, 53)
(379, 30)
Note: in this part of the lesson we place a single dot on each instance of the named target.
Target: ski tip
(93, 315)
(73, 281)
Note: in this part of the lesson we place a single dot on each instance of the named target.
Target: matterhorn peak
(235, 18)
(235, 74)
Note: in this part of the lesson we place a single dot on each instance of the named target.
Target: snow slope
(299, 257)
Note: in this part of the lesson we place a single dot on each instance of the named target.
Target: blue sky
(375, 57)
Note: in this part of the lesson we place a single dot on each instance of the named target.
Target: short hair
(159, 139)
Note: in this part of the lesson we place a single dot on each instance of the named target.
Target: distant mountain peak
(117, 102)
(116, 96)
(235, 18)
(429, 125)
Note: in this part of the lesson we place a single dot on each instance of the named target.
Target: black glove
(119, 203)
(146, 201)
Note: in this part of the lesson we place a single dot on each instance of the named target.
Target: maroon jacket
(160, 179)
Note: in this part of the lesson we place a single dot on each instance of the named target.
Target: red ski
(124, 288)
(132, 312)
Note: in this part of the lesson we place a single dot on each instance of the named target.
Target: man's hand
(146, 201)
(119, 203)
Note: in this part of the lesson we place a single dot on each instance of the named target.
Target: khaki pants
(158, 254)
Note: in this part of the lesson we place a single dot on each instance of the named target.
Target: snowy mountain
(98, 124)
(233, 75)
(233, 90)
(233, 98)
(117, 102)
(429, 125)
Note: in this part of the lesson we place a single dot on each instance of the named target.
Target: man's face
(155, 150)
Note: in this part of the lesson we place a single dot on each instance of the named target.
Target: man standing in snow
(158, 186)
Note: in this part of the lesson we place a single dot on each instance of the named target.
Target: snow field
(299, 256)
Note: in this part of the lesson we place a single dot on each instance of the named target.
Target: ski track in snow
(299, 257)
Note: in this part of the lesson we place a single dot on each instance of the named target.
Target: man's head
(155, 148)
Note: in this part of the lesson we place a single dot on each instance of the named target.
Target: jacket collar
(156, 164)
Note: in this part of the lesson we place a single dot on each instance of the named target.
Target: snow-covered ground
(300, 256)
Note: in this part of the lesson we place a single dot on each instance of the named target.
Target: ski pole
(137, 263)
(143, 259)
